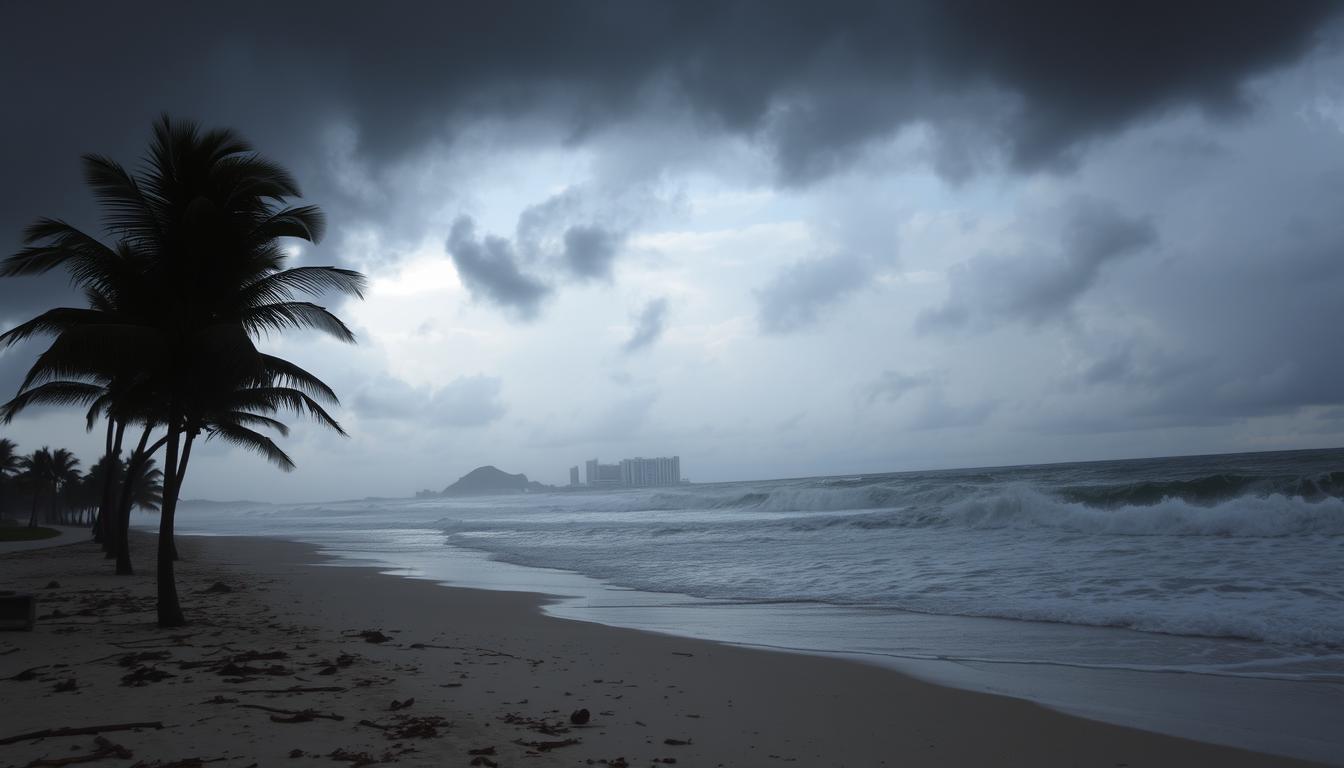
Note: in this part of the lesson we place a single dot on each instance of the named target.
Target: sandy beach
(288, 662)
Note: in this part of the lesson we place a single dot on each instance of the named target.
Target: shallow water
(1202, 596)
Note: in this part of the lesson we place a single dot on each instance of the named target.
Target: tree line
(162, 353)
(47, 486)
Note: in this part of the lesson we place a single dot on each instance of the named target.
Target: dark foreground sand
(279, 668)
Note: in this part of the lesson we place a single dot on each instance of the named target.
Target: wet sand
(289, 662)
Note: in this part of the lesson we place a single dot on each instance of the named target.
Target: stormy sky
(775, 238)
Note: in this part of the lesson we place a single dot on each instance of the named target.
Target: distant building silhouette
(638, 472)
(573, 476)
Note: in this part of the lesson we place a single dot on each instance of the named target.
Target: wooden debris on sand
(81, 731)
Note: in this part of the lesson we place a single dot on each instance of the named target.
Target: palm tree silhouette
(196, 275)
(147, 486)
(64, 475)
(9, 466)
(38, 471)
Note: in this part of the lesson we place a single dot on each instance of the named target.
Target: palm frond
(314, 281)
(128, 210)
(281, 371)
(305, 222)
(244, 418)
(54, 243)
(51, 393)
(56, 321)
(279, 316)
(273, 399)
(252, 441)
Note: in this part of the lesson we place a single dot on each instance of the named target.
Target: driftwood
(155, 642)
(298, 689)
(27, 674)
(408, 727)
(105, 750)
(84, 731)
(190, 762)
(293, 716)
(546, 746)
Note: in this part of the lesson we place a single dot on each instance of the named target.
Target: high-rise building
(640, 472)
(573, 476)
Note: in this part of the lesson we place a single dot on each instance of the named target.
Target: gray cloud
(798, 295)
(467, 401)
(814, 83)
(1034, 289)
(648, 326)
(559, 232)
(891, 386)
(590, 251)
(489, 269)
(937, 413)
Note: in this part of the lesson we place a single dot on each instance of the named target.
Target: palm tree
(64, 475)
(147, 486)
(9, 465)
(38, 471)
(196, 275)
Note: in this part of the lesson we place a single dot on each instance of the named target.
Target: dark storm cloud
(489, 269)
(1035, 288)
(797, 297)
(1035, 82)
(1243, 325)
(508, 272)
(648, 326)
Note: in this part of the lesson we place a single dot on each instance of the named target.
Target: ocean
(1202, 596)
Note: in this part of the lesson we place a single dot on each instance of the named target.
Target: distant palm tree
(38, 472)
(64, 474)
(196, 275)
(147, 487)
(9, 466)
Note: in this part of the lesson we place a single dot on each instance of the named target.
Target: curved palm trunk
(169, 609)
(32, 517)
(100, 523)
(105, 527)
(121, 513)
(182, 473)
(54, 506)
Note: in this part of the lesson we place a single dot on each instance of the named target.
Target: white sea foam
(1201, 547)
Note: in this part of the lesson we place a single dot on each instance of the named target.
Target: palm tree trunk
(169, 609)
(104, 528)
(182, 473)
(32, 518)
(100, 524)
(121, 513)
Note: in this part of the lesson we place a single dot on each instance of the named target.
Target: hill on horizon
(491, 479)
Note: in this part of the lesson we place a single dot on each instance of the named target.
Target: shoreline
(1281, 715)
(500, 673)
